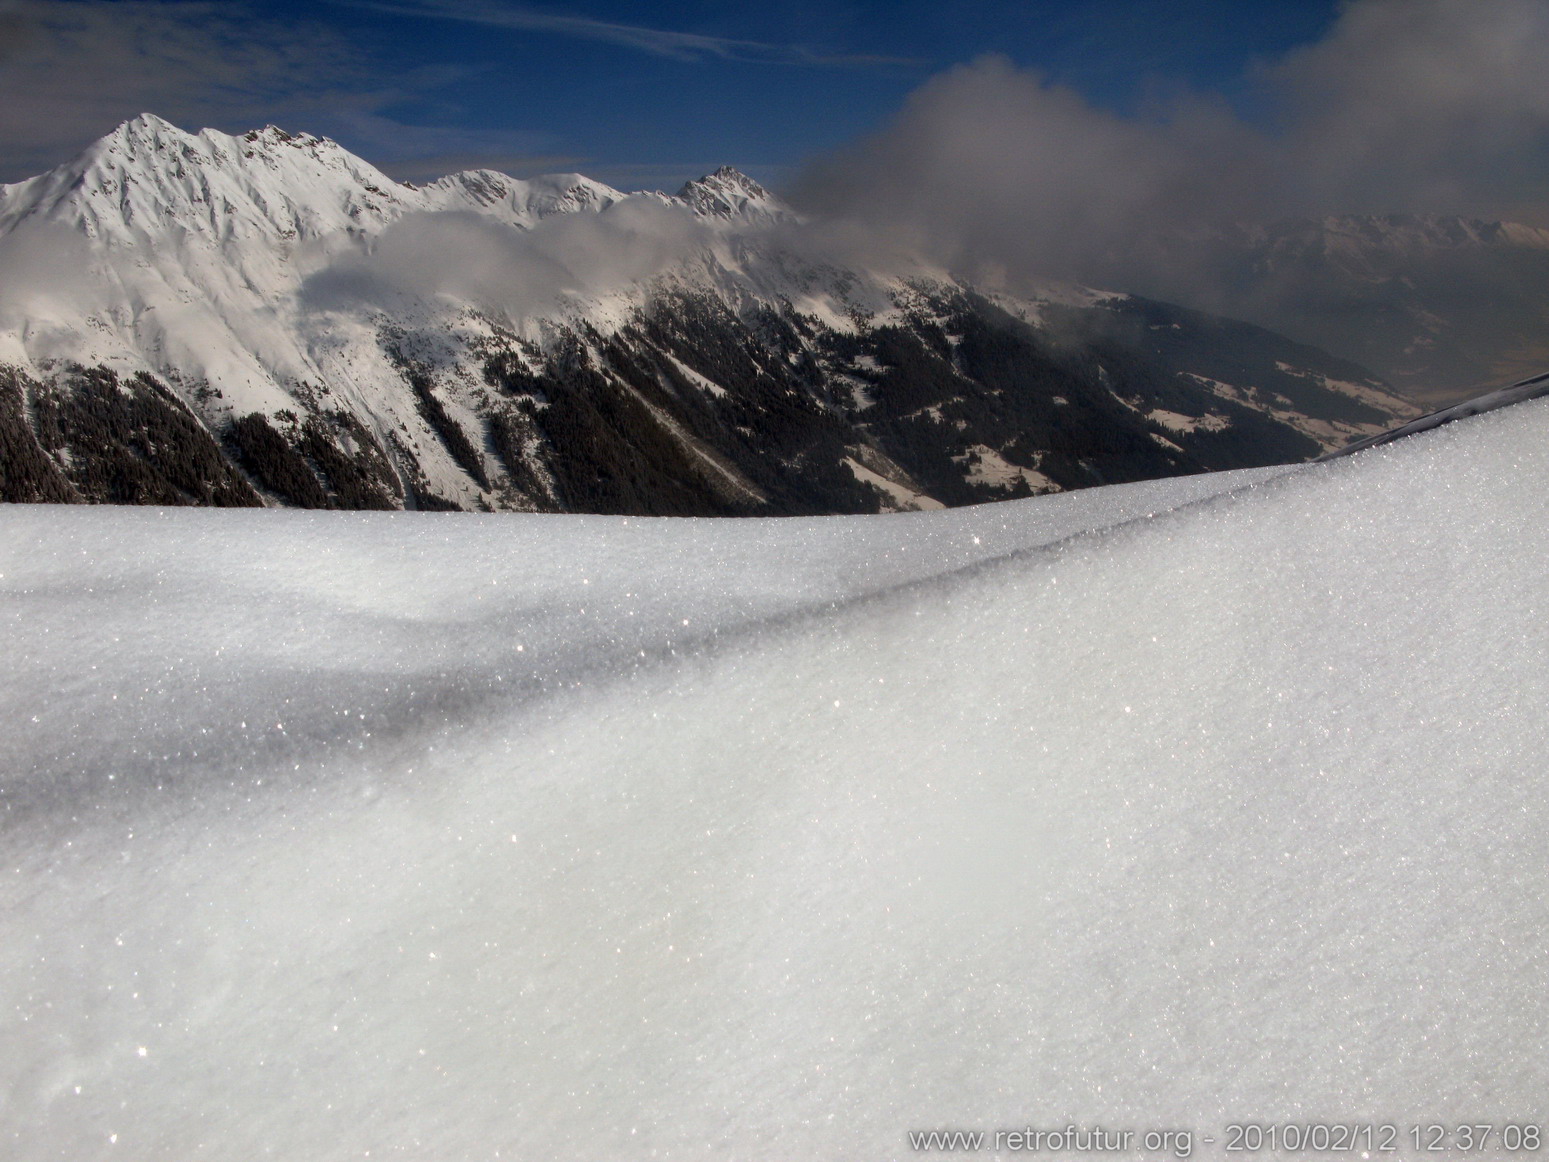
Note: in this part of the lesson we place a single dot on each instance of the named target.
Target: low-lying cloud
(46, 268)
(1405, 106)
(521, 273)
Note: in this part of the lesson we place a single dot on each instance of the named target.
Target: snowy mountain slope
(604, 837)
(1531, 388)
(489, 343)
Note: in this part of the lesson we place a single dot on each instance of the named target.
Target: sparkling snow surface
(452, 837)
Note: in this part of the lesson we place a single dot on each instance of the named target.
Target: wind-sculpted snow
(780, 839)
(408, 615)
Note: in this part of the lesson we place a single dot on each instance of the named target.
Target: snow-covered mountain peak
(521, 202)
(149, 181)
(146, 127)
(729, 193)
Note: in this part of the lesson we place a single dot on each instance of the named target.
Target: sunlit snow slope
(455, 837)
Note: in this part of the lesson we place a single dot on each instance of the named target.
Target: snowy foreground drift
(581, 837)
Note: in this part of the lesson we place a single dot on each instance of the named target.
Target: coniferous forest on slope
(694, 409)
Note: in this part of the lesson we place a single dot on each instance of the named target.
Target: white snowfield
(1159, 807)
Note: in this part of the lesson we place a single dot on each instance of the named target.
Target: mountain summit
(729, 193)
(267, 319)
(149, 180)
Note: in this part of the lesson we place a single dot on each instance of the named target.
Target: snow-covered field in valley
(1163, 806)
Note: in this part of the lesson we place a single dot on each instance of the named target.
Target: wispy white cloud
(521, 273)
(683, 46)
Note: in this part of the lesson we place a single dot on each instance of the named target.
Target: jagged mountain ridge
(148, 178)
(267, 319)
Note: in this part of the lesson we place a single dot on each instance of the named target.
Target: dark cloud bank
(1429, 106)
(1406, 106)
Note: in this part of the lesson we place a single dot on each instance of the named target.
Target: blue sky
(637, 94)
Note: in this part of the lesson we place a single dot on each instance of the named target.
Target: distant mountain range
(267, 319)
(1438, 306)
